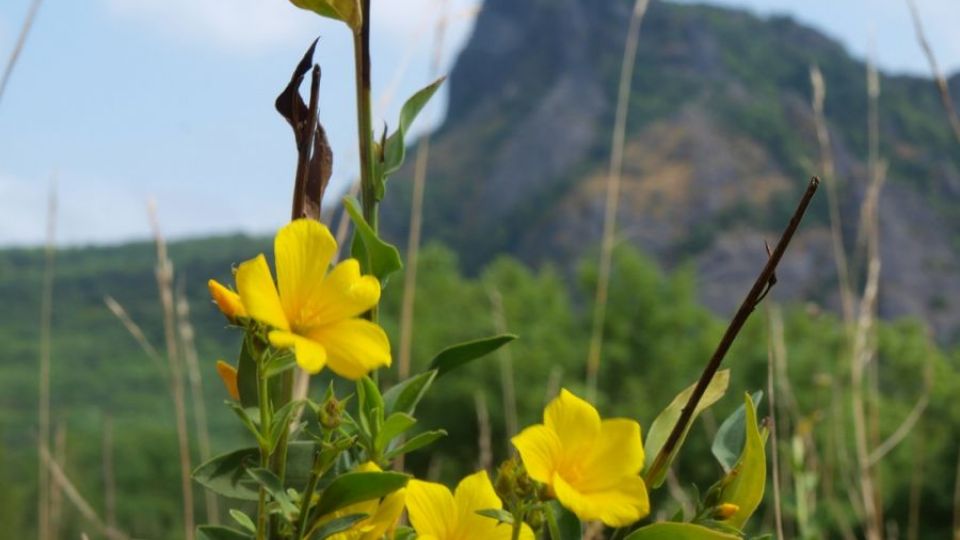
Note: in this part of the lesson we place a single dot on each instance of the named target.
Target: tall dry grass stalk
(73, 495)
(56, 494)
(109, 479)
(833, 203)
(136, 332)
(164, 275)
(774, 424)
(938, 77)
(18, 48)
(43, 405)
(484, 432)
(416, 214)
(189, 347)
(613, 195)
(507, 388)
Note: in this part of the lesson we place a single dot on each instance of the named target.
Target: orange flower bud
(725, 511)
(228, 374)
(227, 300)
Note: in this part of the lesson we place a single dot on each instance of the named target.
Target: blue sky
(128, 100)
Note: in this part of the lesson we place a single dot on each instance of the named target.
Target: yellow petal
(311, 356)
(432, 510)
(616, 453)
(540, 450)
(354, 347)
(575, 422)
(475, 492)
(303, 249)
(227, 300)
(228, 374)
(620, 506)
(344, 294)
(258, 293)
(386, 516)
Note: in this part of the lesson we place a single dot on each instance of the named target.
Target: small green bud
(330, 414)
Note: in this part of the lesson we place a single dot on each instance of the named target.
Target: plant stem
(263, 402)
(517, 523)
(756, 294)
(307, 495)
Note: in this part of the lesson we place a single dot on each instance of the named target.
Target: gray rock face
(721, 142)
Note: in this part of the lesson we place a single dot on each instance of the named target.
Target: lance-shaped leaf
(416, 442)
(728, 443)
(395, 148)
(458, 355)
(347, 11)
(338, 525)
(744, 484)
(661, 427)
(314, 156)
(354, 487)
(376, 256)
(678, 531)
(404, 396)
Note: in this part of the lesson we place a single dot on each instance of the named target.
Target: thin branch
(760, 287)
(507, 387)
(17, 49)
(613, 195)
(938, 77)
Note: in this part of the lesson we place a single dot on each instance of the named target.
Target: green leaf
(456, 356)
(247, 376)
(499, 514)
(404, 397)
(394, 425)
(212, 532)
(728, 443)
(247, 421)
(404, 533)
(562, 523)
(395, 147)
(678, 531)
(744, 484)
(416, 442)
(226, 474)
(243, 520)
(376, 256)
(274, 487)
(280, 363)
(661, 427)
(347, 11)
(338, 525)
(281, 419)
(354, 487)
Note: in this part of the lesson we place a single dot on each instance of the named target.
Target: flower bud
(330, 413)
(725, 511)
(228, 301)
(228, 374)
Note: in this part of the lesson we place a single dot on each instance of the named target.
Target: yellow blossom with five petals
(437, 514)
(591, 466)
(311, 310)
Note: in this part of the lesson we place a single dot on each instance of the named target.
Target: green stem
(307, 496)
(517, 524)
(263, 402)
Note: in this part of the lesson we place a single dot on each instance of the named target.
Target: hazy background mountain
(721, 143)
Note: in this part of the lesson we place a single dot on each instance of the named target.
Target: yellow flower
(227, 300)
(437, 514)
(382, 513)
(228, 374)
(315, 312)
(591, 466)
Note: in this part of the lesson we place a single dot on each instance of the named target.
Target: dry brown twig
(938, 77)
(15, 53)
(43, 405)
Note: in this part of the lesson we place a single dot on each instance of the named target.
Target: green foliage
(678, 531)
(376, 256)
